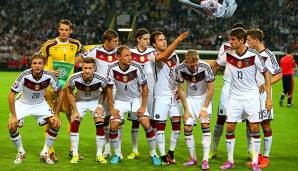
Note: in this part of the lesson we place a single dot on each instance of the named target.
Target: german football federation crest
(239, 64)
(142, 58)
(125, 78)
(110, 58)
(36, 87)
(193, 79)
(247, 62)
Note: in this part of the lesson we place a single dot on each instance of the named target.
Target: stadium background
(26, 24)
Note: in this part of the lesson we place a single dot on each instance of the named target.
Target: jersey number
(240, 74)
(125, 88)
(35, 95)
(87, 94)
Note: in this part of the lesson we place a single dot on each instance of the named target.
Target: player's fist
(186, 116)
(140, 112)
(12, 124)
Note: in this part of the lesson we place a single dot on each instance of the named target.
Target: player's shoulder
(74, 41)
(50, 42)
(136, 65)
(48, 74)
(181, 66)
(204, 64)
(114, 65)
(24, 73)
(252, 51)
(99, 77)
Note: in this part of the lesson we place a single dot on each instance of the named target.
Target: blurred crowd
(26, 24)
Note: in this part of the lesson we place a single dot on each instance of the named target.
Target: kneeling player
(88, 98)
(131, 96)
(199, 78)
(32, 85)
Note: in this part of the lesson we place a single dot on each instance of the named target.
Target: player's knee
(187, 128)
(221, 120)
(231, 127)
(254, 127)
(267, 132)
(266, 125)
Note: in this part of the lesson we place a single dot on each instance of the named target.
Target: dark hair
(140, 32)
(153, 37)
(120, 49)
(239, 33)
(109, 35)
(66, 22)
(256, 33)
(236, 25)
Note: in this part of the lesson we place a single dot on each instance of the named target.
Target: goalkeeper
(60, 53)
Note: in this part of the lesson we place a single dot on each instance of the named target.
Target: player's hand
(182, 36)
(55, 121)
(268, 104)
(75, 116)
(115, 113)
(55, 73)
(261, 88)
(140, 112)
(203, 115)
(99, 114)
(186, 116)
(12, 123)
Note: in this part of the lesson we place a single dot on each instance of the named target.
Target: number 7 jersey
(243, 70)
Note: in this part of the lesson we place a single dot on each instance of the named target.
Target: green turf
(284, 154)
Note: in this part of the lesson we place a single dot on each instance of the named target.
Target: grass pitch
(284, 152)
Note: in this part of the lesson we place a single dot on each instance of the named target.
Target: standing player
(105, 56)
(144, 55)
(243, 63)
(88, 98)
(212, 7)
(199, 80)
(221, 113)
(131, 96)
(255, 41)
(60, 53)
(166, 93)
(32, 85)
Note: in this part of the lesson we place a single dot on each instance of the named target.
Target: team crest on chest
(36, 87)
(239, 64)
(142, 58)
(125, 78)
(110, 58)
(193, 79)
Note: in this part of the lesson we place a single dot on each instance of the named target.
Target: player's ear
(154, 45)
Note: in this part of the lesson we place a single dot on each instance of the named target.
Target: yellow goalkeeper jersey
(54, 50)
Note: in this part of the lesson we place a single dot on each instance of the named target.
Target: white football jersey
(196, 82)
(87, 90)
(33, 90)
(243, 70)
(223, 48)
(271, 64)
(144, 60)
(164, 71)
(211, 7)
(128, 83)
(103, 58)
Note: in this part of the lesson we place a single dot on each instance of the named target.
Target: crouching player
(199, 79)
(88, 98)
(32, 84)
(131, 96)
